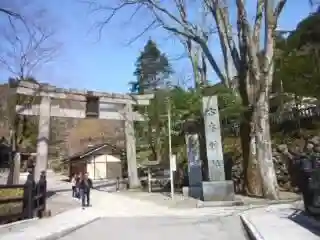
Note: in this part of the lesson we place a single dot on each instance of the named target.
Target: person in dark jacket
(85, 185)
(78, 177)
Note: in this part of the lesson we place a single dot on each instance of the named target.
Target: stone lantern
(192, 139)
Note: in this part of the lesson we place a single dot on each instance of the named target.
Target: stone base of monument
(193, 191)
(211, 191)
(218, 191)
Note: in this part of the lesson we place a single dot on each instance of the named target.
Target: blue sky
(107, 64)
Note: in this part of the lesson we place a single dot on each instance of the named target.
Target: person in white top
(74, 185)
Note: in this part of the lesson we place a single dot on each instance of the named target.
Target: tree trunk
(264, 149)
(252, 179)
(158, 152)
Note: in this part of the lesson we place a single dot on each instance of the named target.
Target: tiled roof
(91, 149)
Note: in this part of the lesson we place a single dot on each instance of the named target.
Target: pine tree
(152, 70)
(152, 76)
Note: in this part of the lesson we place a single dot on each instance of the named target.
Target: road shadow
(53, 192)
(306, 221)
(110, 185)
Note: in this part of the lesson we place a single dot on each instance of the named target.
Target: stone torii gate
(96, 105)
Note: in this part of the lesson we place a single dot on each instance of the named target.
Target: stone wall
(283, 157)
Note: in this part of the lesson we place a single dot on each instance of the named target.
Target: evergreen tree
(152, 73)
(297, 64)
(152, 70)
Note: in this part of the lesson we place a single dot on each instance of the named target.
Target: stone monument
(217, 188)
(194, 166)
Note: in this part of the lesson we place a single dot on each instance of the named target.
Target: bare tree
(13, 176)
(195, 53)
(27, 46)
(240, 45)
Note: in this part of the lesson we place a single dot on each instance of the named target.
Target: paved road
(61, 199)
(123, 217)
(127, 218)
(166, 227)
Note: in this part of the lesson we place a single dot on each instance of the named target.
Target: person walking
(74, 186)
(85, 186)
(78, 177)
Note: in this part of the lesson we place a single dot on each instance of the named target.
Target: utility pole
(170, 149)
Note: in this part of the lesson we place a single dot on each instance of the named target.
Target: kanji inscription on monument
(213, 138)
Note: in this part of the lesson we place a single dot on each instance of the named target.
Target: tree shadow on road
(51, 193)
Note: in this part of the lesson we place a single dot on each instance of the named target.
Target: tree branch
(279, 8)
(251, 47)
(231, 57)
(258, 22)
(176, 26)
(10, 13)
(28, 46)
(150, 26)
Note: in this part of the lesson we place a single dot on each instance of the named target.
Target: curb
(9, 225)
(250, 229)
(65, 232)
(282, 201)
(203, 204)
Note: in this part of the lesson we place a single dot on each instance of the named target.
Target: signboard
(173, 163)
(213, 138)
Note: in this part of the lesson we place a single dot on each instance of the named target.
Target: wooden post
(42, 190)
(131, 148)
(149, 180)
(28, 197)
(118, 184)
(43, 137)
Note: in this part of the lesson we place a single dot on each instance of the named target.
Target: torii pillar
(131, 148)
(43, 137)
